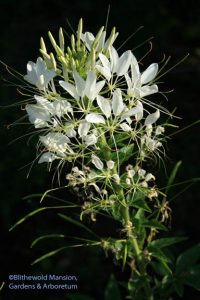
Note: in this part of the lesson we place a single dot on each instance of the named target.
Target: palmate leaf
(192, 277)
(123, 153)
(155, 224)
(36, 211)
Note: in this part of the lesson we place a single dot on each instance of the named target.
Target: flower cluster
(91, 111)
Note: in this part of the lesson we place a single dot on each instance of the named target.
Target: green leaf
(77, 223)
(140, 203)
(165, 242)
(47, 255)
(119, 138)
(155, 224)
(172, 176)
(179, 288)
(112, 291)
(48, 236)
(188, 258)
(192, 277)
(124, 153)
(36, 211)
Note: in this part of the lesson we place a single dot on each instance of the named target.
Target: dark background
(175, 26)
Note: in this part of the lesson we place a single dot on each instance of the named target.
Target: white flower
(90, 139)
(110, 164)
(47, 157)
(116, 178)
(38, 74)
(88, 38)
(141, 172)
(97, 162)
(138, 83)
(41, 114)
(118, 65)
(56, 142)
(159, 130)
(149, 177)
(89, 88)
(115, 106)
(83, 128)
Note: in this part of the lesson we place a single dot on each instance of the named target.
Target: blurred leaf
(112, 291)
(172, 176)
(165, 242)
(155, 224)
(124, 153)
(192, 277)
(47, 255)
(37, 211)
(188, 258)
(179, 287)
(77, 223)
(48, 236)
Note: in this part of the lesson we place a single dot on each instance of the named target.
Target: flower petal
(149, 74)
(70, 88)
(97, 162)
(148, 90)
(125, 127)
(152, 118)
(124, 63)
(95, 118)
(117, 102)
(104, 105)
(47, 157)
(83, 128)
(80, 83)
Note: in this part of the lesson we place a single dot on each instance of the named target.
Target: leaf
(47, 255)
(140, 203)
(179, 288)
(155, 224)
(37, 240)
(188, 258)
(119, 138)
(165, 242)
(192, 277)
(172, 176)
(123, 153)
(112, 290)
(77, 223)
(37, 211)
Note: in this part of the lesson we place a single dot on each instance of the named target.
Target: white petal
(139, 114)
(90, 139)
(47, 157)
(80, 83)
(124, 63)
(105, 62)
(105, 72)
(125, 127)
(110, 164)
(131, 112)
(152, 118)
(114, 57)
(37, 115)
(149, 74)
(95, 118)
(70, 88)
(117, 102)
(88, 38)
(104, 105)
(97, 162)
(148, 90)
(83, 128)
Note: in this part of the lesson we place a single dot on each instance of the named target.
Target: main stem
(137, 250)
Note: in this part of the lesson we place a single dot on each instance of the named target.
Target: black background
(175, 26)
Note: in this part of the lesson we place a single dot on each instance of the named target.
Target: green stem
(137, 250)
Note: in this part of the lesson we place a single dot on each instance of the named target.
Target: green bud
(53, 61)
(98, 36)
(53, 42)
(73, 42)
(79, 32)
(110, 40)
(61, 39)
(42, 45)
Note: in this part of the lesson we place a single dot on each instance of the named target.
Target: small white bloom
(116, 178)
(97, 162)
(141, 172)
(89, 88)
(131, 173)
(56, 142)
(128, 181)
(47, 157)
(83, 128)
(90, 139)
(125, 127)
(149, 177)
(38, 74)
(159, 130)
(110, 164)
